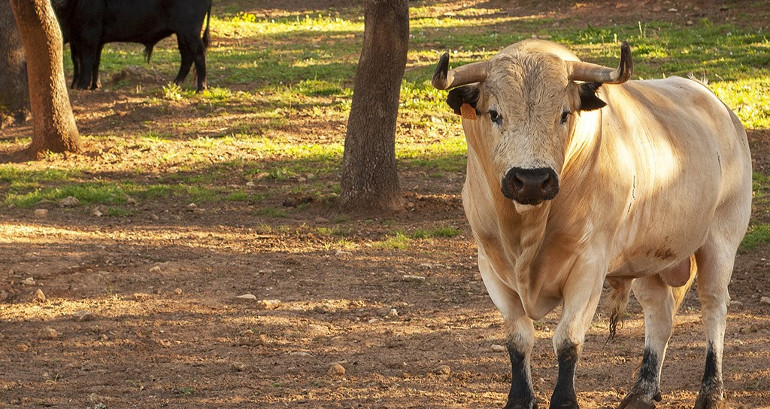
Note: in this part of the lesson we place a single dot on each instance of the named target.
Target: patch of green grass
(398, 241)
(86, 193)
(441, 231)
(185, 391)
(237, 197)
(272, 212)
(120, 212)
(760, 182)
(756, 235)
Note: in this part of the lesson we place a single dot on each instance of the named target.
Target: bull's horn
(584, 71)
(469, 73)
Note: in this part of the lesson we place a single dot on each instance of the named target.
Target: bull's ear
(468, 94)
(588, 99)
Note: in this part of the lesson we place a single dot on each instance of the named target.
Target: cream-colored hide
(661, 173)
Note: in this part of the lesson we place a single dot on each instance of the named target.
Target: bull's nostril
(518, 182)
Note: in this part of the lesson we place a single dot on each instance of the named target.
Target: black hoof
(704, 402)
(635, 401)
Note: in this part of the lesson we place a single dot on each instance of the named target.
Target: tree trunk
(369, 175)
(53, 124)
(14, 99)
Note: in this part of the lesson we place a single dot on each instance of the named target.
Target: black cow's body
(89, 24)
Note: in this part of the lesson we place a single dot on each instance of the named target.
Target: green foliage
(756, 235)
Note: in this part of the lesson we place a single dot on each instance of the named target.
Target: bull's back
(150, 21)
(683, 155)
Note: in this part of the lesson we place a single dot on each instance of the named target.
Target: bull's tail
(621, 291)
(206, 38)
(148, 52)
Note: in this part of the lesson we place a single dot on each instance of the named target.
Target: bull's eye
(564, 116)
(495, 117)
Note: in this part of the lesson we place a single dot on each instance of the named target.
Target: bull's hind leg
(187, 58)
(660, 303)
(520, 334)
(200, 64)
(715, 263)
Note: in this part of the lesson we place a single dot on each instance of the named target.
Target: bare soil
(143, 311)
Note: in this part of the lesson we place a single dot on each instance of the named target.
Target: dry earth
(142, 311)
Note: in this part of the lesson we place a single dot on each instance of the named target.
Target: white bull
(576, 176)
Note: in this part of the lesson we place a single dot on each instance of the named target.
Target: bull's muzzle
(530, 186)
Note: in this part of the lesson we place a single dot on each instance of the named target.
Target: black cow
(89, 24)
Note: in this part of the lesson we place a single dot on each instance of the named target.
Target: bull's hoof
(635, 401)
(521, 404)
(710, 402)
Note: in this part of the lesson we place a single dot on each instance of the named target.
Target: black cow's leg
(87, 57)
(75, 55)
(200, 65)
(95, 73)
(188, 56)
(660, 303)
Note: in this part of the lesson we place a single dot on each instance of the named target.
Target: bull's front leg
(520, 334)
(581, 297)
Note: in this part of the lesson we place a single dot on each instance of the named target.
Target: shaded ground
(142, 311)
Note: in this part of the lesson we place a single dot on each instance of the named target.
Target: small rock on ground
(443, 370)
(270, 304)
(82, 315)
(336, 370)
(49, 333)
(499, 348)
(39, 296)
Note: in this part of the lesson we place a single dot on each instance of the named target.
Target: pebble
(393, 312)
(499, 348)
(336, 370)
(736, 304)
(178, 291)
(443, 370)
(28, 281)
(99, 211)
(141, 296)
(413, 278)
(82, 315)
(270, 304)
(764, 301)
(301, 353)
(69, 201)
(41, 213)
(247, 297)
(39, 296)
(22, 347)
(50, 333)
(155, 270)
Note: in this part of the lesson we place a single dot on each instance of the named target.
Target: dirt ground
(180, 305)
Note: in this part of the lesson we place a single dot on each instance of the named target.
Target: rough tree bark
(369, 176)
(53, 124)
(14, 99)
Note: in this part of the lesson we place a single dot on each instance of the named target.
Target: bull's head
(526, 102)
